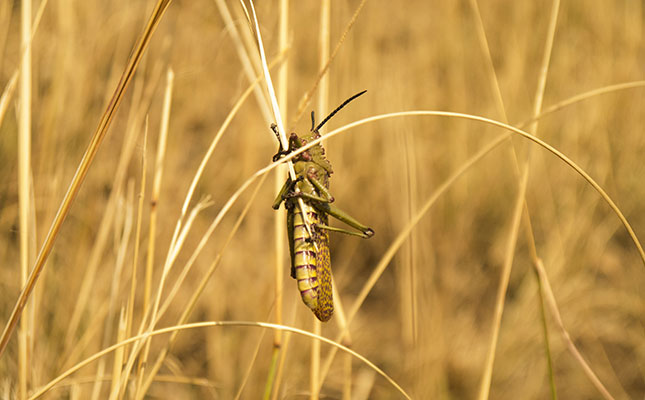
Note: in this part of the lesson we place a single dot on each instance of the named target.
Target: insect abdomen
(311, 263)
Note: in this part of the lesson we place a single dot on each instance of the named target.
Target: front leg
(281, 151)
(325, 195)
(307, 196)
(287, 192)
(281, 194)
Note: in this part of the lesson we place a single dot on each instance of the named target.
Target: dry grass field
(499, 269)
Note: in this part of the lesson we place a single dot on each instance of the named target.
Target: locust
(307, 221)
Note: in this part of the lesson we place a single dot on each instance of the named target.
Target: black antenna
(312, 120)
(324, 121)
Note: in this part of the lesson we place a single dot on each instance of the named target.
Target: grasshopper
(307, 226)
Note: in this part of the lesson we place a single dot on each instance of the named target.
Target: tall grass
(496, 269)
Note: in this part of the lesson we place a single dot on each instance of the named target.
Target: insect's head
(316, 153)
(296, 142)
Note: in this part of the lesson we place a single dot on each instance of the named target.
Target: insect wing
(325, 307)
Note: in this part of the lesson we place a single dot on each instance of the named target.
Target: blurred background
(428, 320)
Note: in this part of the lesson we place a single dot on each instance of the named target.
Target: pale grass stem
(341, 320)
(25, 199)
(123, 225)
(279, 228)
(408, 266)
(503, 284)
(490, 67)
(585, 96)
(304, 102)
(324, 33)
(364, 384)
(553, 306)
(276, 109)
(284, 347)
(119, 353)
(537, 106)
(249, 369)
(544, 66)
(242, 42)
(154, 203)
(137, 236)
(25, 48)
(7, 93)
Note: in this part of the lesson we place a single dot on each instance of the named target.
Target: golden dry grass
(429, 318)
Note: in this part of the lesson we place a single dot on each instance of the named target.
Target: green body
(310, 257)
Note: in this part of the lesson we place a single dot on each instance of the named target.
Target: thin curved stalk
(208, 324)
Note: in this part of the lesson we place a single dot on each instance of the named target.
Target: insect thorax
(315, 154)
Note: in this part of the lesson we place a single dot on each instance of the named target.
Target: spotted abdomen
(311, 263)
